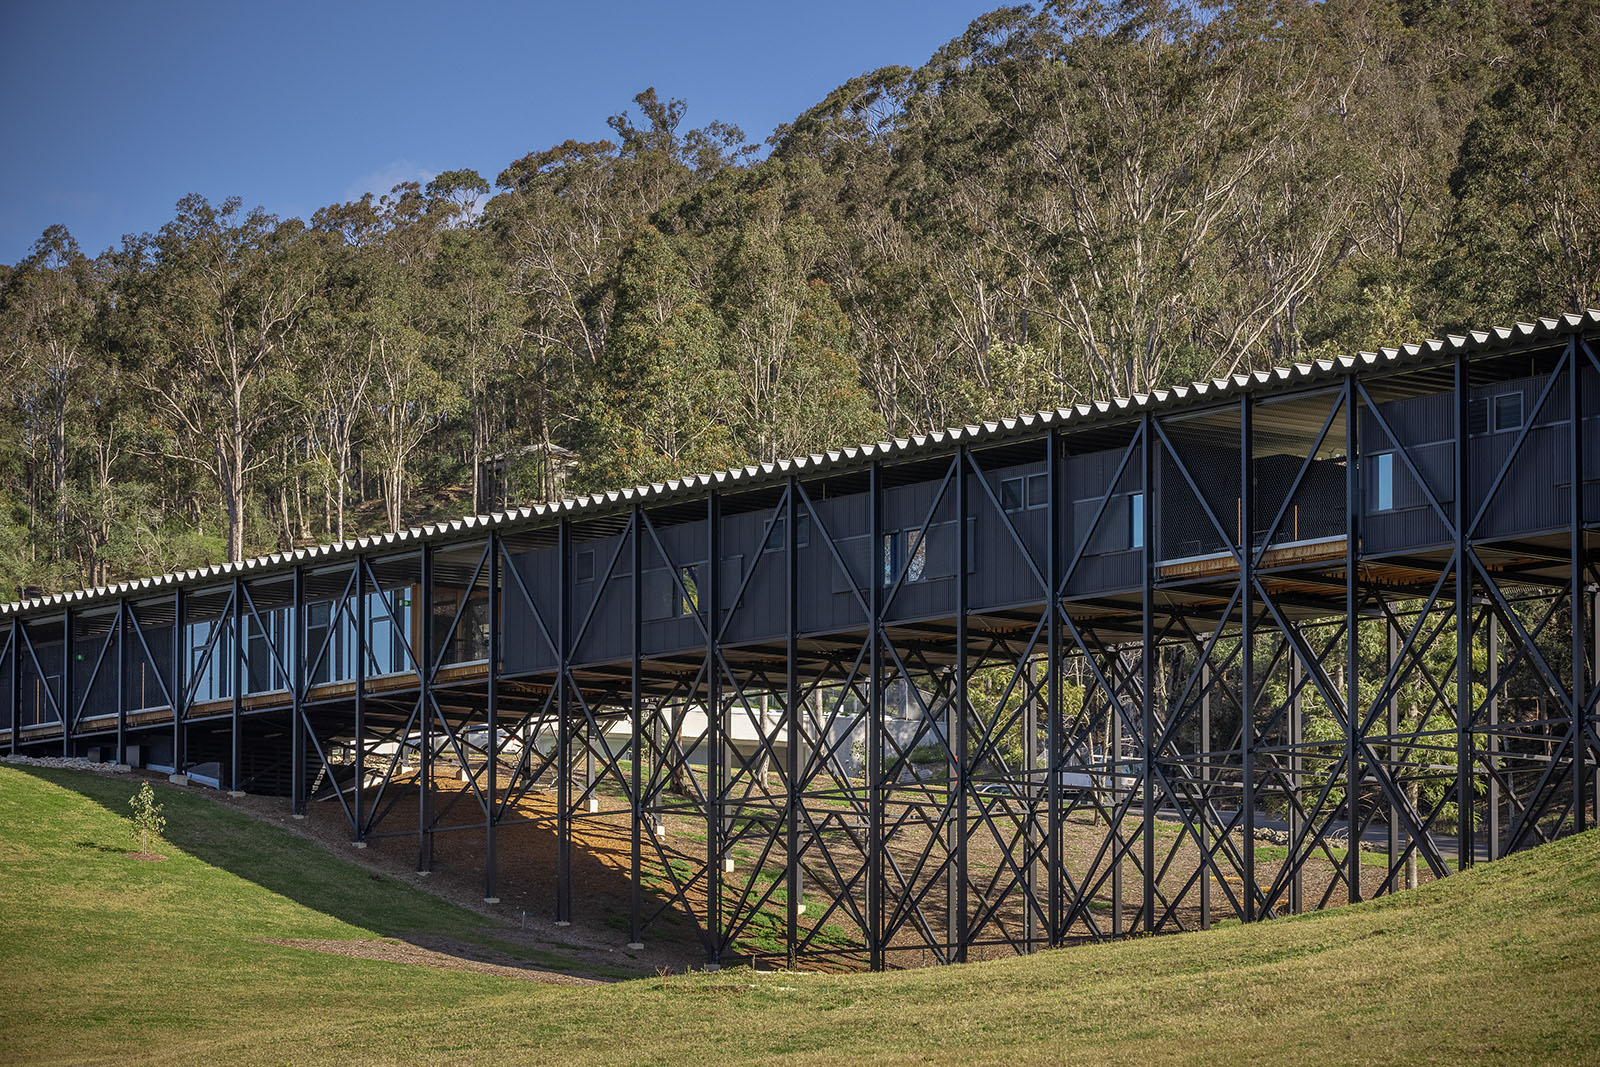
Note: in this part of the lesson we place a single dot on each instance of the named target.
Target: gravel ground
(70, 763)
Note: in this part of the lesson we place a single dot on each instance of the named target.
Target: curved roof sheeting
(1474, 342)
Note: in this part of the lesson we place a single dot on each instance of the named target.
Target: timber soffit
(1276, 379)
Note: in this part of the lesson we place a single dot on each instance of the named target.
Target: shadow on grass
(301, 870)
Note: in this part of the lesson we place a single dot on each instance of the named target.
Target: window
(1038, 491)
(1383, 481)
(689, 595)
(1507, 412)
(583, 566)
(318, 656)
(1478, 415)
(1136, 520)
(802, 525)
(210, 673)
(917, 563)
(898, 555)
(1011, 490)
(263, 671)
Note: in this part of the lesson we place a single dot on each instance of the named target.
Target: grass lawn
(104, 958)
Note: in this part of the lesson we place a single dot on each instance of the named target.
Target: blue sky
(115, 110)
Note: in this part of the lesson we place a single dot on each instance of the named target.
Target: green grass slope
(106, 959)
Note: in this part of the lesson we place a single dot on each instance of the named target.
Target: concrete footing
(235, 794)
(635, 946)
(491, 900)
(178, 779)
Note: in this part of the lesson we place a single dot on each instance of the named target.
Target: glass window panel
(1038, 490)
(1507, 412)
(1478, 415)
(689, 598)
(917, 558)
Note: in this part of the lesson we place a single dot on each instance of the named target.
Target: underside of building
(1231, 651)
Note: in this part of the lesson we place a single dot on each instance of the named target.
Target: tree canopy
(1067, 201)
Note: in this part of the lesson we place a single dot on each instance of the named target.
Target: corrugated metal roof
(1472, 343)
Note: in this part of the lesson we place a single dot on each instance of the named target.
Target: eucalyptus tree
(662, 404)
(220, 293)
(785, 346)
(335, 351)
(1526, 228)
(48, 311)
(476, 316)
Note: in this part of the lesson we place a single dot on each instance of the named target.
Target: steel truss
(1257, 735)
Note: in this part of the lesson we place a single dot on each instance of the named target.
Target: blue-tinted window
(1011, 494)
(1383, 482)
(1136, 520)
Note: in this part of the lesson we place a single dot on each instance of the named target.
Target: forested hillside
(1067, 201)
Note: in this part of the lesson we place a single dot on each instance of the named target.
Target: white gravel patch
(69, 763)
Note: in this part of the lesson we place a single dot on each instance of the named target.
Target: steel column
(122, 672)
(66, 706)
(1297, 672)
(425, 658)
(874, 730)
(1353, 716)
(563, 732)
(1580, 678)
(1053, 880)
(792, 717)
(179, 694)
(1203, 824)
(490, 860)
(1493, 759)
(1247, 728)
(14, 687)
(1147, 711)
(1463, 606)
(297, 685)
(636, 704)
(716, 853)
(356, 823)
(961, 788)
(236, 713)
